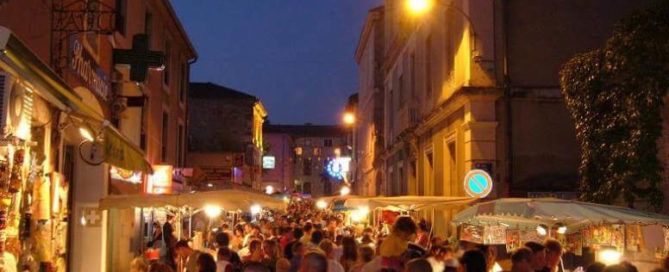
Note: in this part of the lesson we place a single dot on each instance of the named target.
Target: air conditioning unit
(17, 107)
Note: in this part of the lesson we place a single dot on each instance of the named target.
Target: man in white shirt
(7, 260)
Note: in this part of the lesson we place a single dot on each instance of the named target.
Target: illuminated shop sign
(268, 162)
(160, 182)
(338, 167)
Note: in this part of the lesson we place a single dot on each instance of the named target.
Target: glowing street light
(349, 118)
(321, 204)
(345, 190)
(418, 7)
(212, 211)
(269, 189)
(256, 209)
(86, 134)
(609, 255)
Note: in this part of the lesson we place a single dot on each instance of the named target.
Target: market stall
(385, 209)
(622, 232)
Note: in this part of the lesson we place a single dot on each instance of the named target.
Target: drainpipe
(507, 99)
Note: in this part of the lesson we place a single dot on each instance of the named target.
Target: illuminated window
(298, 151)
(317, 151)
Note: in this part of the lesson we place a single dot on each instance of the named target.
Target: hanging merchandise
(41, 199)
(3, 219)
(494, 235)
(512, 240)
(4, 175)
(472, 233)
(15, 180)
(575, 243)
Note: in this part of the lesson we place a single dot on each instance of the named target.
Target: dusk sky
(295, 55)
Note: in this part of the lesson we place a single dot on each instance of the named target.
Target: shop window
(148, 25)
(306, 188)
(428, 67)
(163, 142)
(306, 167)
(184, 82)
(180, 137)
(121, 15)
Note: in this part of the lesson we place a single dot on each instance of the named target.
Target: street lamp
(418, 7)
(349, 118)
(345, 191)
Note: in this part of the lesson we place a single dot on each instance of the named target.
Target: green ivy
(615, 95)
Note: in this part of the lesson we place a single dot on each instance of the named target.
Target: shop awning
(230, 200)
(408, 203)
(17, 59)
(530, 212)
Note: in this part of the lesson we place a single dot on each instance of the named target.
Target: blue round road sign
(478, 183)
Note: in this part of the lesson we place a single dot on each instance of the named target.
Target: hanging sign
(86, 68)
(478, 183)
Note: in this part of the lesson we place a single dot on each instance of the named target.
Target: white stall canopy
(230, 200)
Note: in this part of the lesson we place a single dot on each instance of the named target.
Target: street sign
(478, 183)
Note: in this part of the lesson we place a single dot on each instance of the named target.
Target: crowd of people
(310, 240)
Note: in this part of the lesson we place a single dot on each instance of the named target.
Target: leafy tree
(615, 95)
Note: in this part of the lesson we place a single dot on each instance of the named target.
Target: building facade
(474, 84)
(80, 42)
(320, 157)
(278, 161)
(225, 136)
(369, 129)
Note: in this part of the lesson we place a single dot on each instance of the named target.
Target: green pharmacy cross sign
(139, 57)
(478, 183)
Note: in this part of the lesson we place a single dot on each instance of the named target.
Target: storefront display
(34, 211)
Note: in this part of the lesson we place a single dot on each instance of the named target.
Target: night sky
(295, 55)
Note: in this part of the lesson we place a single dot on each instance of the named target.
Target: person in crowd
(333, 265)
(365, 256)
(538, 255)
(521, 260)
(314, 262)
(418, 265)
(206, 263)
(223, 241)
(255, 252)
(286, 237)
(596, 267)
(366, 240)
(316, 238)
(297, 254)
(283, 265)
(169, 240)
(553, 255)
(308, 228)
(297, 236)
(423, 235)
(7, 259)
(255, 267)
(437, 258)
(139, 265)
(187, 255)
(238, 238)
(474, 261)
(270, 254)
(349, 253)
(160, 267)
(397, 242)
(223, 257)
